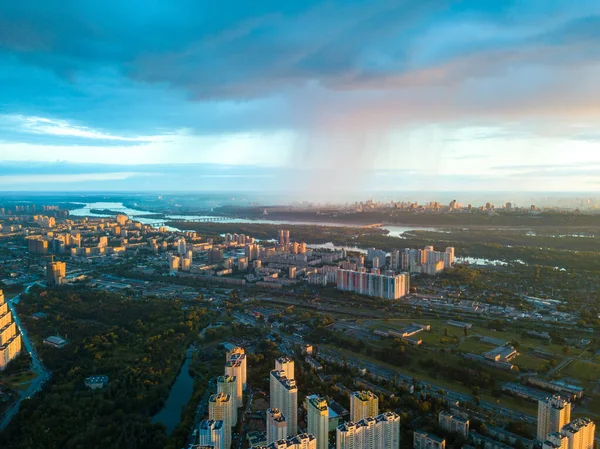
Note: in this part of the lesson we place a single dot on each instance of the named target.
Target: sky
(306, 96)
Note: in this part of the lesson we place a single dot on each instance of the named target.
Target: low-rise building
(56, 341)
(96, 382)
(425, 440)
(454, 423)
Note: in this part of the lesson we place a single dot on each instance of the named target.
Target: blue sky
(303, 95)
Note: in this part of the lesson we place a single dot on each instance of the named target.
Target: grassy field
(588, 372)
(20, 381)
(474, 345)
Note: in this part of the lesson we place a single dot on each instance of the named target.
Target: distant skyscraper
(55, 273)
(212, 433)
(276, 425)
(121, 219)
(363, 404)
(181, 246)
(220, 408)
(553, 413)
(284, 238)
(252, 252)
(318, 420)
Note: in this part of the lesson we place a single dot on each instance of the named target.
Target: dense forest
(139, 344)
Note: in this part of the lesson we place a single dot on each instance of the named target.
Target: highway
(36, 366)
(287, 344)
(436, 390)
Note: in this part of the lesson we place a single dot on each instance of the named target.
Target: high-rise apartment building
(284, 238)
(121, 219)
(370, 284)
(233, 368)
(276, 425)
(349, 435)
(284, 397)
(211, 433)
(363, 404)
(380, 432)
(238, 354)
(553, 414)
(55, 273)
(181, 246)
(285, 364)
(220, 408)
(318, 420)
(387, 431)
(229, 385)
(10, 338)
(579, 434)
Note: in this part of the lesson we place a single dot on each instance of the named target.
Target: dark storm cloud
(142, 68)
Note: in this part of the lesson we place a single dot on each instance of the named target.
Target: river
(179, 396)
(138, 215)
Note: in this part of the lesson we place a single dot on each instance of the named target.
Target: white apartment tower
(229, 385)
(381, 432)
(212, 433)
(284, 397)
(238, 354)
(580, 433)
(233, 368)
(286, 365)
(363, 404)
(10, 338)
(553, 414)
(276, 425)
(318, 420)
(387, 431)
(220, 408)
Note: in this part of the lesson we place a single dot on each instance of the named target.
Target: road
(247, 411)
(288, 342)
(436, 390)
(36, 366)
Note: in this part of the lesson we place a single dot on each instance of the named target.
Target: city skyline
(371, 95)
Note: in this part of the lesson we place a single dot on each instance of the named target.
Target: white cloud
(31, 180)
(54, 127)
